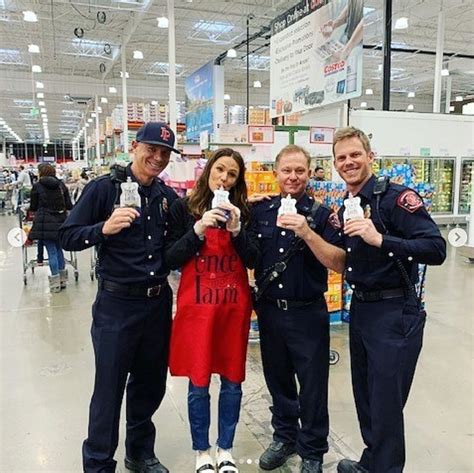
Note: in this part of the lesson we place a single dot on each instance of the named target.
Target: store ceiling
(204, 30)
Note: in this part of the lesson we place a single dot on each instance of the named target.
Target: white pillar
(449, 82)
(470, 227)
(172, 65)
(124, 99)
(438, 64)
(97, 131)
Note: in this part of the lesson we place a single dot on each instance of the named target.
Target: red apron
(211, 325)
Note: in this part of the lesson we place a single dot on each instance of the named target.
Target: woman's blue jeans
(199, 411)
(55, 256)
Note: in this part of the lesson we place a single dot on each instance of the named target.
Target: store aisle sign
(261, 134)
(316, 55)
(199, 88)
(321, 135)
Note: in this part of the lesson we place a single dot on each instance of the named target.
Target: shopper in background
(385, 243)
(23, 185)
(50, 200)
(211, 326)
(292, 313)
(319, 174)
(132, 311)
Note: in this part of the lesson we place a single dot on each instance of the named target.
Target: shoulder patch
(334, 221)
(410, 201)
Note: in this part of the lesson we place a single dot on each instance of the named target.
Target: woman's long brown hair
(199, 200)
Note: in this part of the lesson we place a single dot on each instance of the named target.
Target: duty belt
(285, 304)
(373, 296)
(132, 290)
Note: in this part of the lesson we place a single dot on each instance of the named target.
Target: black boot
(309, 465)
(276, 455)
(151, 465)
(350, 466)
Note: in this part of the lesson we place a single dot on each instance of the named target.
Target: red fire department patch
(410, 201)
(334, 221)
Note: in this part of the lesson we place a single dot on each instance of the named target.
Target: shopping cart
(25, 218)
(6, 199)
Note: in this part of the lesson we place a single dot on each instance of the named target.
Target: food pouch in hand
(221, 196)
(287, 207)
(353, 209)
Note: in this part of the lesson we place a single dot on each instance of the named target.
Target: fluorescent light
(30, 16)
(459, 98)
(43, 110)
(445, 72)
(33, 48)
(87, 125)
(226, 97)
(369, 92)
(154, 102)
(40, 95)
(44, 115)
(89, 120)
(99, 109)
(411, 107)
(401, 23)
(126, 74)
(163, 22)
(112, 90)
(137, 55)
(451, 108)
(103, 100)
(363, 105)
(380, 67)
(93, 115)
(39, 85)
(41, 103)
(36, 68)
(257, 84)
(411, 95)
(231, 53)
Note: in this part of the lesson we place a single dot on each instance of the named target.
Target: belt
(285, 304)
(131, 290)
(373, 296)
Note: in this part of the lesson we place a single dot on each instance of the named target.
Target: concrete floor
(47, 374)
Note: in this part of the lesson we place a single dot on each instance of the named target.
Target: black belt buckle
(282, 304)
(153, 291)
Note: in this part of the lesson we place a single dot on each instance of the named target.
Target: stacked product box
(261, 182)
(334, 296)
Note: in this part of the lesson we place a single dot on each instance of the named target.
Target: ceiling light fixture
(257, 84)
(137, 54)
(39, 85)
(226, 97)
(41, 103)
(459, 98)
(33, 48)
(401, 23)
(363, 105)
(30, 16)
(232, 53)
(40, 95)
(411, 107)
(445, 72)
(154, 102)
(451, 108)
(103, 100)
(43, 110)
(163, 22)
(112, 90)
(36, 68)
(369, 92)
(411, 95)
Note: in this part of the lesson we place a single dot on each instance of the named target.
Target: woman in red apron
(211, 325)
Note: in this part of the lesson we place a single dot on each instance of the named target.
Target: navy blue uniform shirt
(412, 236)
(305, 279)
(135, 254)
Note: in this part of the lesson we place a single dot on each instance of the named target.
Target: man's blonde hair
(351, 132)
(292, 149)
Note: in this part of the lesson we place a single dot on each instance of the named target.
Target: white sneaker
(204, 462)
(225, 462)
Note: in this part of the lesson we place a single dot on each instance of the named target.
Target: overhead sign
(316, 55)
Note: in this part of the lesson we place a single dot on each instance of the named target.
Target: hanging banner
(204, 100)
(316, 55)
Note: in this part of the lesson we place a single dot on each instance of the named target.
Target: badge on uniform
(164, 204)
(287, 207)
(352, 208)
(410, 201)
(334, 221)
(130, 196)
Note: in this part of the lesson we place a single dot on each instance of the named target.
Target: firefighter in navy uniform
(132, 311)
(292, 313)
(387, 233)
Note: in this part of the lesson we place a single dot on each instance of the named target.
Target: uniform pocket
(412, 318)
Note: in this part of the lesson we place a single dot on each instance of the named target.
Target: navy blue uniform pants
(295, 344)
(385, 341)
(130, 338)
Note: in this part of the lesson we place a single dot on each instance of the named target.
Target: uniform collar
(368, 189)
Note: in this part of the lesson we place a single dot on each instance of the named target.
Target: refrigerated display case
(438, 171)
(465, 190)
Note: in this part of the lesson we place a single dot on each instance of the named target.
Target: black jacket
(50, 200)
(181, 243)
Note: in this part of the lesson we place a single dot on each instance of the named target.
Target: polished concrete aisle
(47, 374)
